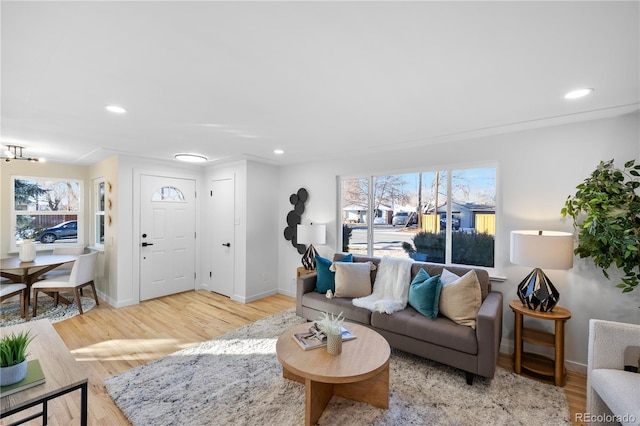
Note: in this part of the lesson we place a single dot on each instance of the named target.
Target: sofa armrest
(489, 333)
(305, 284)
(607, 342)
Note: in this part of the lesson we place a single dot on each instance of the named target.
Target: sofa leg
(469, 377)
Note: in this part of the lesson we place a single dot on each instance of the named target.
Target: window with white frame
(99, 213)
(441, 216)
(47, 210)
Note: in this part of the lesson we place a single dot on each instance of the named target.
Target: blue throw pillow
(424, 293)
(326, 279)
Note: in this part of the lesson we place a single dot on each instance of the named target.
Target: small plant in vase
(331, 325)
(13, 357)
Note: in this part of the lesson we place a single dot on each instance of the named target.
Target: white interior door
(222, 238)
(167, 236)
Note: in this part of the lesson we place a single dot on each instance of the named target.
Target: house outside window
(441, 216)
(49, 210)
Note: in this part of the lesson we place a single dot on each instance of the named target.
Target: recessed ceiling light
(278, 151)
(115, 109)
(575, 94)
(191, 158)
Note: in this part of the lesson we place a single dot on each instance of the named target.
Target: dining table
(30, 272)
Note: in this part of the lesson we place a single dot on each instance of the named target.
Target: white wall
(262, 235)
(538, 169)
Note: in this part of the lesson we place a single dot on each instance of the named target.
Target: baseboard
(254, 297)
(507, 347)
(114, 303)
(287, 293)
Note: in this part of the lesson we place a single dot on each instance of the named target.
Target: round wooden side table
(535, 363)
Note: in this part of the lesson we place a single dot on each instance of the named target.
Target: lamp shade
(311, 234)
(542, 249)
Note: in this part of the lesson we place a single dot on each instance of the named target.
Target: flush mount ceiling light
(191, 158)
(14, 152)
(115, 109)
(580, 93)
(278, 151)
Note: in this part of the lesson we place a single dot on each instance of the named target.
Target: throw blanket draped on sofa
(391, 287)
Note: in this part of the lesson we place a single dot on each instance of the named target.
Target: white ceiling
(317, 79)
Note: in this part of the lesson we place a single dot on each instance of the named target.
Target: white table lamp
(540, 249)
(310, 234)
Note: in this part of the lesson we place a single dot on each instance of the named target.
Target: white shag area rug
(237, 379)
(10, 312)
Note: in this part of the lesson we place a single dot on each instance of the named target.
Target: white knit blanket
(391, 288)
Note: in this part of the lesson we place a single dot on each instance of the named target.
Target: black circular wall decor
(294, 218)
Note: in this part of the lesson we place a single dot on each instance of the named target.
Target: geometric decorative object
(537, 291)
(540, 249)
(294, 218)
(311, 234)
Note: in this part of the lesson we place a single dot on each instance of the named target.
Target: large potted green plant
(13, 357)
(606, 215)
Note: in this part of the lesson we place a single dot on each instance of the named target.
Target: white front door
(167, 236)
(222, 238)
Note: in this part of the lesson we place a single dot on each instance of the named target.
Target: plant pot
(13, 374)
(27, 251)
(334, 344)
(418, 257)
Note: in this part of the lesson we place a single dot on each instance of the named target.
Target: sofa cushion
(619, 389)
(436, 268)
(460, 300)
(325, 278)
(319, 302)
(440, 331)
(352, 279)
(447, 277)
(360, 259)
(424, 294)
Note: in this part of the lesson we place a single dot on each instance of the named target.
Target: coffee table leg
(374, 391)
(317, 396)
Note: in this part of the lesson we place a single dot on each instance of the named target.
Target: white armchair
(612, 393)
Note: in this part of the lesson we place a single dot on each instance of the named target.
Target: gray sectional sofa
(440, 339)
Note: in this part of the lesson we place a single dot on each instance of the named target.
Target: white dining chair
(65, 268)
(81, 276)
(14, 289)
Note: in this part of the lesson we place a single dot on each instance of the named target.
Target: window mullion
(370, 215)
(449, 227)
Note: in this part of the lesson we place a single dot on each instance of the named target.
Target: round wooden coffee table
(360, 372)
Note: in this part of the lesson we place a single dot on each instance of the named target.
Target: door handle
(226, 244)
(146, 244)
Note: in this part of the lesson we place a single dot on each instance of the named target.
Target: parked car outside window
(61, 231)
(455, 223)
(401, 218)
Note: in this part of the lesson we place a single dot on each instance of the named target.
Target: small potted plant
(331, 326)
(13, 357)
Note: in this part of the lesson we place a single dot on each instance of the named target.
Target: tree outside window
(442, 216)
(46, 209)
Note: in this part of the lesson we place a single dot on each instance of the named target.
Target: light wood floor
(108, 341)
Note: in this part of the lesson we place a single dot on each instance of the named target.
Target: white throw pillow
(447, 277)
(460, 299)
(353, 279)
